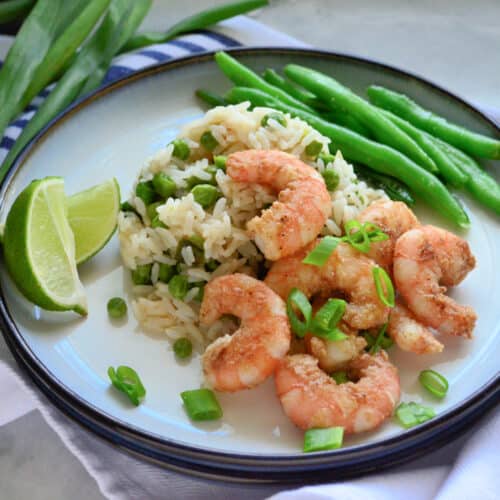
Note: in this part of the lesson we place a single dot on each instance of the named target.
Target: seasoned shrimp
(303, 204)
(311, 398)
(409, 334)
(246, 358)
(394, 218)
(346, 270)
(424, 259)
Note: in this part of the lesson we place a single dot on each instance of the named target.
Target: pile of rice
(222, 227)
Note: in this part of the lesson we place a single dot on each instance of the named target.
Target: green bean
(341, 97)
(345, 119)
(122, 19)
(481, 186)
(472, 143)
(272, 77)
(378, 157)
(447, 168)
(210, 98)
(64, 48)
(195, 22)
(243, 76)
(12, 10)
(44, 25)
(393, 188)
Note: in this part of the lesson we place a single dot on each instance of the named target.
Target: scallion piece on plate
(201, 404)
(356, 236)
(323, 439)
(412, 414)
(322, 251)
(382, 281)
(324, 323)
(379, 341)
(297, 300)
(434, 382)
(126, 380)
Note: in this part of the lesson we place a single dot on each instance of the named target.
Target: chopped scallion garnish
(377, 345)
(126, 380)
(382, 280)
(322, 251)
(297, 300)
(323, 439)
(412, 414)
(434, 382)
(324, 323)
(201, 404)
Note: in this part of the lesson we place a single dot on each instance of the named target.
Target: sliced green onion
(331, 179)
(127, 380)
(324, 323)
(278, 117)
(326, 158)
(340, 377)
(208, 141)
(322, 251)
(387, 297)
(434, 382)
(374, 232)
(127, 207)
(178, 286)
(201, 404)
(296, 299)
(323, 439)
(220, 162)
(181, 149)
(377, 344)
(183, 348)
(412, 414)
(313, 149)
(385, 342)
(359, 238)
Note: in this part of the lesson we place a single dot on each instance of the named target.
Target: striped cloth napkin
(121, 476)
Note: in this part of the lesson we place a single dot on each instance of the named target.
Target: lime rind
(39, 248)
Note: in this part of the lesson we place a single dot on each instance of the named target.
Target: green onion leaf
(434, 382)
(359, 238)
(296, 299)
(323, 439)
(324, 323)
(322, 251)
(387, 297)
(127, 380)
(378, 341)
(201, 404)
(374, 232)
(412, 414)
(340, 377)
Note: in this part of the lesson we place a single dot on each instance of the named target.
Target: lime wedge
(39, 248)
(92, 215)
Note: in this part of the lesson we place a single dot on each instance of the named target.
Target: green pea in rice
(221, 226)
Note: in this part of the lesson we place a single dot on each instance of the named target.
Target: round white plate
(110, 134)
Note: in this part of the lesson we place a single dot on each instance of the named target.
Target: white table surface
(455, 43)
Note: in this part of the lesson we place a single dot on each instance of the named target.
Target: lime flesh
(39, 248)
(92, 215)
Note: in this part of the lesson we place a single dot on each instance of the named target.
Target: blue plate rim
(241, 467)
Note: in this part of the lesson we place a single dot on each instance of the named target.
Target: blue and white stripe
(125, 65)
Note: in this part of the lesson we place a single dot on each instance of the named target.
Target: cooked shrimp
(246, 358)
(394, 218)
(424, 259)
(311, 398)
(346, 271)
(303, 204)
(409, 334)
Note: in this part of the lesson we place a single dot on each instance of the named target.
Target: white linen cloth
(465, 471)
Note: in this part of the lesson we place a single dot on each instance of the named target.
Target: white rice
(222, 227)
